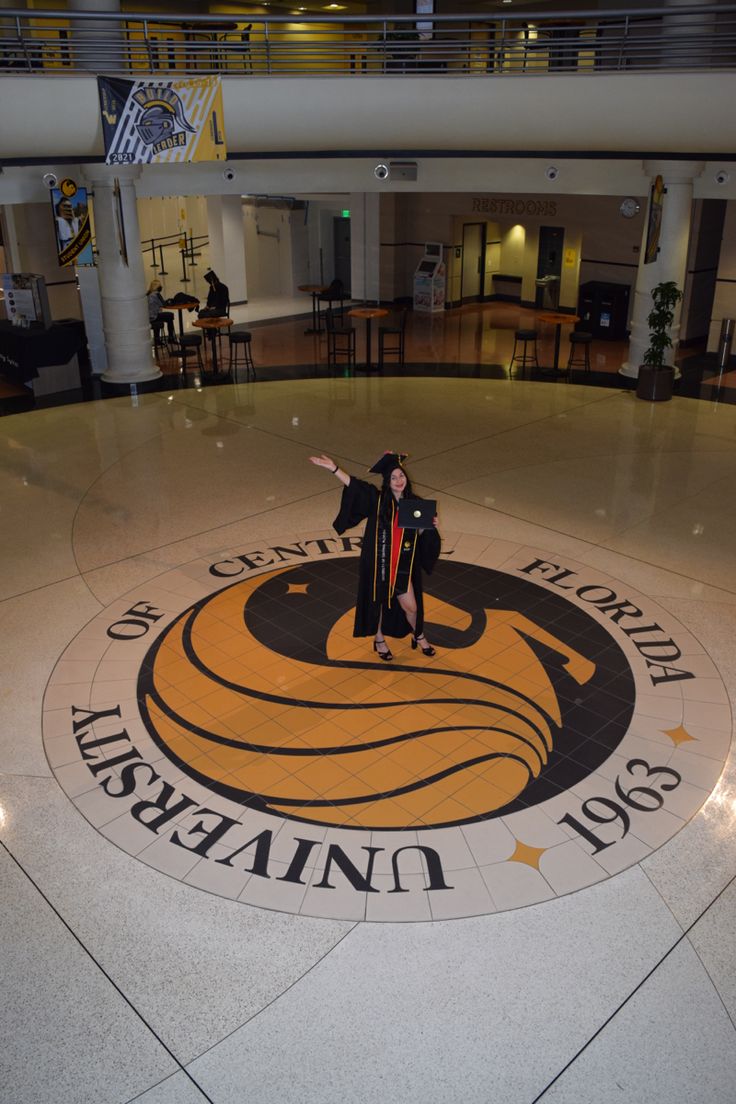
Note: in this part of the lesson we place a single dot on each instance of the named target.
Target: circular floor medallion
(222, 724)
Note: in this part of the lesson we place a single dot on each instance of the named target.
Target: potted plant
(656, 377)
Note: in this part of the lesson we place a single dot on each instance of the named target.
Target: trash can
(603, 309)
(725, 341)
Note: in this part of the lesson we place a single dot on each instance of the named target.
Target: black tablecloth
(24, 351)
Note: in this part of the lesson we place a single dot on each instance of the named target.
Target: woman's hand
(326, 462)
(323, 462)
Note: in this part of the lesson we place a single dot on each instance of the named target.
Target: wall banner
(654, 225)
(71, 221)
(148, 122)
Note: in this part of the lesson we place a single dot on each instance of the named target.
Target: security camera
(551, 172)
(50, 180)
(722, 177)
(381, 172)
(228, 174)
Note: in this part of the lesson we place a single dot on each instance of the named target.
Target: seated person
(156, 311)
(218, 297)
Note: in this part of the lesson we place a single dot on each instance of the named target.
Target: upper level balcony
(636, 81)
(500, 41)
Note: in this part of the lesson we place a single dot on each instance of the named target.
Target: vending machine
(429, 279)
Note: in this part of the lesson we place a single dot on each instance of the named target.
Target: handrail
(496, 44)
(186, 251)
(516, 16)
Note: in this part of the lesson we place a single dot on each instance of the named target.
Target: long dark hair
(387, 495)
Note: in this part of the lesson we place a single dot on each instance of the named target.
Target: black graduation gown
(419, 552)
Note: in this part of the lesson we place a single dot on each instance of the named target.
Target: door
(341, 239)
(471, 278)
(549, 266)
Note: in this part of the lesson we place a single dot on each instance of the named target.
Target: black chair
(335, 293)
(391, 341)
(525, 338)
(237, 47)
(580, 343)
(240, 352)
(340, 342)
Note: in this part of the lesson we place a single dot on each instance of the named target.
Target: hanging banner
(655, 221)
(71, 222)
(145, 122)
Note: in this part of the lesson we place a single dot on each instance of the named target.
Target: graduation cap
(388, 462)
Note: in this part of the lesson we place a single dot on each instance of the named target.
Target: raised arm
(325, 462)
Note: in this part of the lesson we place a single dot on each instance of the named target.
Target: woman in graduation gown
(392, 559)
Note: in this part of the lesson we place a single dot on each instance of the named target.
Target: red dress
(390, 559)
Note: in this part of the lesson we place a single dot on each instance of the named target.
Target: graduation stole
(384, 579)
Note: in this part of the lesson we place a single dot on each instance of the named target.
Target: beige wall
(599, 243)
(270, 264)
(724, 304)
(162, 216)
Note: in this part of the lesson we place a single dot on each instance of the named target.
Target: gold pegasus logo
(348, 743)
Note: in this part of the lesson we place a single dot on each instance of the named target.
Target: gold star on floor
(678, 735)
(528, 855)
(297, 588)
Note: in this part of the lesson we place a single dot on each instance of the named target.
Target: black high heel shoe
(387, 655)
(428, 651)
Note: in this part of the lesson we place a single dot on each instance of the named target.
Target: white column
(227, 243)
(98, 44)
(687, 39)
(122, 285)
(88, 278)
(365, 246)
(671, 262)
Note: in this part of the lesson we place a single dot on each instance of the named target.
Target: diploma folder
(417, 513)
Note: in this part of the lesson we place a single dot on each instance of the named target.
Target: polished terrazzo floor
(176, 931)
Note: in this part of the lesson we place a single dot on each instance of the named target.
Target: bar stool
(190, 345)
(340, 342)
(240, 353)
(391, 342)
(160, 340)
(580, 345)
(525, 338)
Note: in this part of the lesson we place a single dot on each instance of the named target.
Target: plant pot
(655, 384)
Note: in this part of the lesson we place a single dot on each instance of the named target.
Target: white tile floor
(135, 969)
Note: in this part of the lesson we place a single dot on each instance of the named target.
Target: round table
(557, 318)
(368, 313)
(214, 325)
(315, 290)
(190, 304)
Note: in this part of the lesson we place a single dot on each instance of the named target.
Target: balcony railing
(498, 44)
